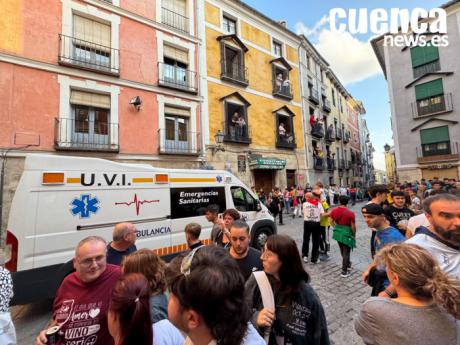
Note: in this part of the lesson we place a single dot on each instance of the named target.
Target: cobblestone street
(341, 297)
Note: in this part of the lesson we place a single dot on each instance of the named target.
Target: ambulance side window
(242, 200)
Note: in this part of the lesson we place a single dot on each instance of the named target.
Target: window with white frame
(229, 25)
(176, 136)
(174, 69)
(277, 48)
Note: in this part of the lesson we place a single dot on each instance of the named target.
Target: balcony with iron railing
(326, 105)
(434, 105)
(85, 135)
(346, 136)
(330, 135)
(177, 78)
(89, 56)
(433, 66)
(338, 133)
(178, 142)
(438, 153)
(313, 97)
(318, 163)
(341, 164)
(234, 73)
(175, 20)
(330, 164)
(285, 141)
(235, 133)
(284, 90)
(317, 130)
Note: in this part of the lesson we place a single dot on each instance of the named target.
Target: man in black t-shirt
(247, 258)
(398, 213)
(124, 239)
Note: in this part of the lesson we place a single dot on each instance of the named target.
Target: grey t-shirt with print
(383, 321)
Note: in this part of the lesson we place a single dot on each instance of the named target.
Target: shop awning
(267, 163)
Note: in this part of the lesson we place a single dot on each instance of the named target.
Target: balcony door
(175, 66)
(90, 119)
(91, 43)
(176, 139)
(233, 63)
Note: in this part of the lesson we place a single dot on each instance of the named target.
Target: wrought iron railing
(338, 133)
(318, 163)
(234, 72)
(176, 77)
(330, 164)
(285, 141)
(178, 142)
(433, 105)
(428, 68)
(175, 20)
(314, 96)
(326, 105)
(87, 55)
(85, 135)
(237, 133)
(317, 130)
(330, 135)
(437, 152)
(284, 90)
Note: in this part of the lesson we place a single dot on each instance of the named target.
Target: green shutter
(430, 89)
(423, 55)
(434, 135)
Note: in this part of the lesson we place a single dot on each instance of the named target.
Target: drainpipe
(202, 74)
(2, 176)
(304, 125)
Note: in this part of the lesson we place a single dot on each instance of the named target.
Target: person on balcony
(312, 120)
(286, 90)
(279, 82)
(240, 126)
(234, 124)
(330, 130)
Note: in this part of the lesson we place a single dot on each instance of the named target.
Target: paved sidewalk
(341, 297)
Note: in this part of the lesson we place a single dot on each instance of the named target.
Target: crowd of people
(230, 293)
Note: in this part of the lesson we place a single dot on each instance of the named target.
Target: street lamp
(219, 140)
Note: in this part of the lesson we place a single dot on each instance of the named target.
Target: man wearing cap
(385, 234)
(378, 193)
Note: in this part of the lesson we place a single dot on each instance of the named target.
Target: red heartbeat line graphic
(136, 202)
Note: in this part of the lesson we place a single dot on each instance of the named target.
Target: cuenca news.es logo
(401, 27)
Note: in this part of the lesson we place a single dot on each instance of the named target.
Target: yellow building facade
(390, 164)
(253, 97)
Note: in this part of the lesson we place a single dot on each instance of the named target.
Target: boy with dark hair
(398, 214)
(192, 235)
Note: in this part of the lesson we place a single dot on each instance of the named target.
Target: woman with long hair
(425, 306)
(129, 311)
(148, 263)
(298, 317)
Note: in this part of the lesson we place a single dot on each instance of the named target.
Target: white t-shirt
(448, 258)
(312, 213)
(416, 221)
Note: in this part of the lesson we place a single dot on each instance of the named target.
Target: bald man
(123, 243)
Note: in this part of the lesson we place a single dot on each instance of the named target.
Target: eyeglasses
(88, 262)
(186, 264)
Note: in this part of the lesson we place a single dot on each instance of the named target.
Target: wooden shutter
(430, 89)
(90, 99)
(91, 31)
(423, 55)
(434, 135)
(175, 54)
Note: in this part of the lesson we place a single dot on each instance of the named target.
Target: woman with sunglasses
(424, 307)
(298, 317)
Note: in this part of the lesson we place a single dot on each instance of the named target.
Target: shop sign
(268, 163)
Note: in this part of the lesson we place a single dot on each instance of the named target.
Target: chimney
(282, 23)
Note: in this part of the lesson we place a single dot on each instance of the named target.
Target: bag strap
(268, 299)
(341, 215)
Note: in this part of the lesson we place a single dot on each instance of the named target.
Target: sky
(350, 56)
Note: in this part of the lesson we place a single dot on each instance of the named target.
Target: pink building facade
(116, 79)
(355, 108)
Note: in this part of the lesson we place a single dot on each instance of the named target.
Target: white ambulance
(61, 200)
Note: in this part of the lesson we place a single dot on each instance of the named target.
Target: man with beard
(442, 237)
(247, 258)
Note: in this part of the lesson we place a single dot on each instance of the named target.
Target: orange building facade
(114, 79)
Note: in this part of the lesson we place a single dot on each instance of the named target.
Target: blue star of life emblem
(84, 206)
(219, 179)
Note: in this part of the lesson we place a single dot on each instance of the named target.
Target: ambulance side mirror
(258, 206)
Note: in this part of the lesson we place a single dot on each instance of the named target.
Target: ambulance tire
(260, 237)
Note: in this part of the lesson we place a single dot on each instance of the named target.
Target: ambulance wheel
(261, 237)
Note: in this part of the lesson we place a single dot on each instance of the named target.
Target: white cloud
(351, 60)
